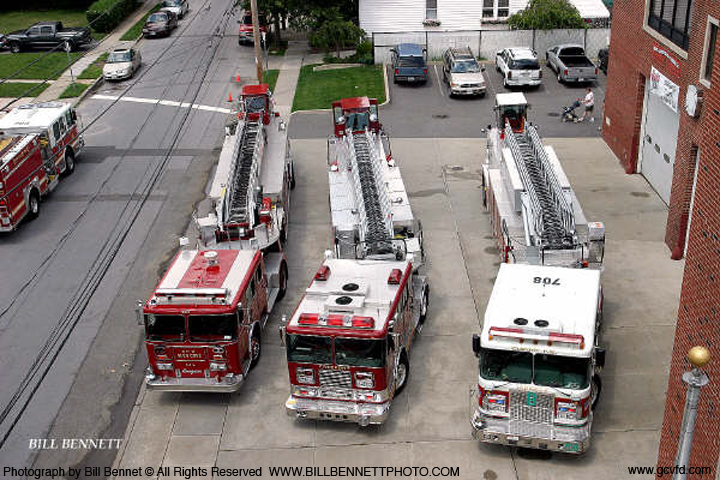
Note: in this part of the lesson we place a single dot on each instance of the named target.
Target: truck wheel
(69, 162)
(292, 178)
(282, 281)
(255, 348)
(597, 383)
(15, 47)
(424, 303)
(33, 205)
(68, 46)
(559, 77)
(403, 372)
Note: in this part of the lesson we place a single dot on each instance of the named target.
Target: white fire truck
(37, 143)
(251, 189)
(370, 209)
(203, 322)
(349, 340)
(539, 354)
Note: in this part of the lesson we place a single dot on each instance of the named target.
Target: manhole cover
(441, 116)
(553, 114)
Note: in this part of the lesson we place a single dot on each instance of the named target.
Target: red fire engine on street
(37, 143)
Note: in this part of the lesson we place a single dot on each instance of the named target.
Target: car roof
(521, 52)
(410, 49)
(461, 53)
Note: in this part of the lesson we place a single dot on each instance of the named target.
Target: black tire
(401, 381)
(559, 78)
(68, 46)
(33, 205)
(425, 303)
(15, 47)
(69, 162)
(255, 348)
(283, 234)
(597, 382)
(282, 281)
(292, 178)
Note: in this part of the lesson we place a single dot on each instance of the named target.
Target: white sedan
(121, 64)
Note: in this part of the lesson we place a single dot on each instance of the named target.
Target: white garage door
(659, 141)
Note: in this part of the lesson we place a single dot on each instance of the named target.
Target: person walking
(589, 102)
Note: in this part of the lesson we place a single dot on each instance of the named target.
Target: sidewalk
(288, 77)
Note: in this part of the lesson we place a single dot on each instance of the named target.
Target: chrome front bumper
(172, 384)
(468, 90)
(557, 438)
(351, 412)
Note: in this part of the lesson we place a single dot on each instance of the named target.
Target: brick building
(663, 56)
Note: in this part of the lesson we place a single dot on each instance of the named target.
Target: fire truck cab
(348, 342)
(58, 125)
(370, 209)
(203, 322)
(539, 358)
(250, 193)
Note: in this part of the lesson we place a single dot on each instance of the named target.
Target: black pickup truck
(47, 34)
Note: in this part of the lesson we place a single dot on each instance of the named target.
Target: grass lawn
(49, 67)
(319, 89)
(21, 89)
(74, 90)
(270, 77)
(22, 19)
(136, 30)
(94, 70)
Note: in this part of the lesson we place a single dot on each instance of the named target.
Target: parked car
(159, 24)
(178, 7)
(409, 63)
(462, 72)
(603, 58)
(519, 67)
(3, 41)
(245, 33)
(121, 64)
(48, 34)
(571, 64)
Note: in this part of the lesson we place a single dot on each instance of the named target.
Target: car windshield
(164, 327)
(411, 61)
(308, 349)
(525, 64)
(118, 57)
(254, 104)
(157, 18)
(466, 66)
(171, 3)
(357, 352)
(562, 372)
(539, 369)
(212, 327)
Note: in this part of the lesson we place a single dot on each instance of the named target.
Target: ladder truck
(204, 321)
(250, 192)
(348, 342)
(370, 209)
(538, 351)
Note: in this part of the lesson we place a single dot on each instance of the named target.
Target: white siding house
(409, 15)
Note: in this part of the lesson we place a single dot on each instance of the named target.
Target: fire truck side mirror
(599, 357)
(476, 344)
(139, 312)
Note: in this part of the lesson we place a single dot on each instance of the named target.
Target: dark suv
(408, 63)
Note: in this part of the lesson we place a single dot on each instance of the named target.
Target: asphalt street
(427, 110)
(131, 194)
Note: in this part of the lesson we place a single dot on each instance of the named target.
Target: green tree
(547, 15)
(337, 34)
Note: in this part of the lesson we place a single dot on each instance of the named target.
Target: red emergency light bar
(522, 334)
(323, 273)
(395, 276)
(334, 320)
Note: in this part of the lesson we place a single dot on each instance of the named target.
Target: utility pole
(256, 40)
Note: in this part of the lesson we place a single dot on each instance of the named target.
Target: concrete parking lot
(429, 423)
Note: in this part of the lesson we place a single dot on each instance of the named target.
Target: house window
(709, 51)
(503, 8)
(488, 9)
(431, 9)
(672, 18)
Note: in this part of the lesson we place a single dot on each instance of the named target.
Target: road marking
(442, 94)
(168, 103)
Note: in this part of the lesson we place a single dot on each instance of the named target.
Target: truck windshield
(360, 353)
(466, 66)
(562, 372)
(254, 104)
(513, 367)
(165, 327)
(308, 349)
(212, 327)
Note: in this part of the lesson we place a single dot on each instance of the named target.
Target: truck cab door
(47, 36)
(338, 120)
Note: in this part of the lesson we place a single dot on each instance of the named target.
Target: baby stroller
(568, 113)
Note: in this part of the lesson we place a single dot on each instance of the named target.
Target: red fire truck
(204, 320)
(348, 342)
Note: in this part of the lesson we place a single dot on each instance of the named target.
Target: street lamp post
(695, 379)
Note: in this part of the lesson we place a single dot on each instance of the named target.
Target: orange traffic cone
(237, 79)
(229, 97)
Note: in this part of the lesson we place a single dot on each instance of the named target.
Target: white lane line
(442, 94)
(168, 103)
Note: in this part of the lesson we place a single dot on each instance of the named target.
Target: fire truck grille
(335, 378)
(531, 413)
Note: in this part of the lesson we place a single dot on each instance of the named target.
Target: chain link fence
(485, 43)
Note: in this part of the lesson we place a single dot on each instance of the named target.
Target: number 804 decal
(546, 280)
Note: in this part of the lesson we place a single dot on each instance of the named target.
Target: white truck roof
(514, 98)
(30, 117)
(542, 309)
